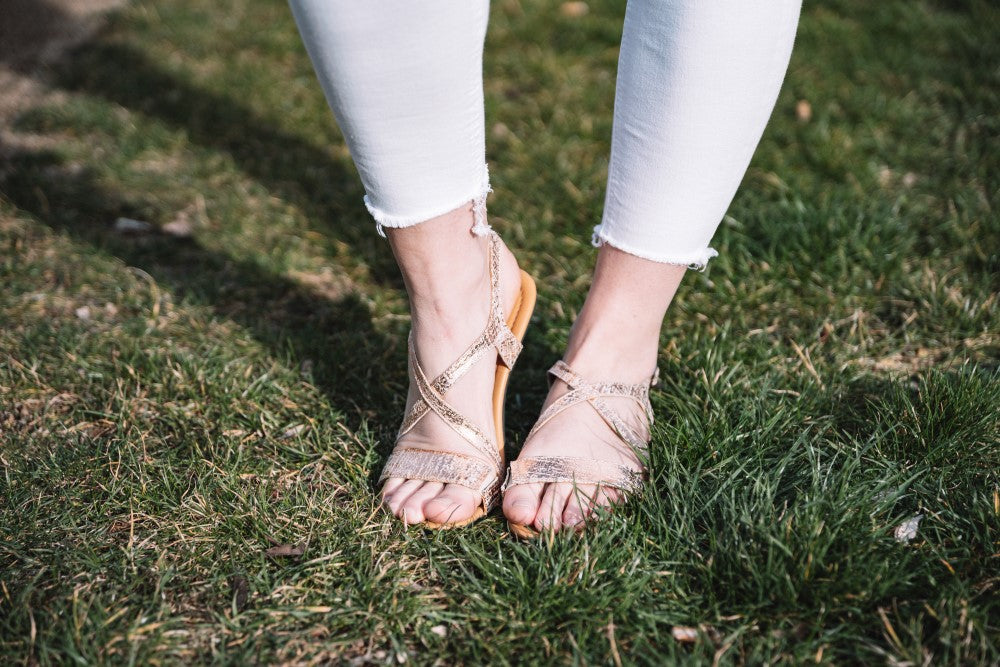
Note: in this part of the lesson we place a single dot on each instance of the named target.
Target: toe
(394, 501)
(520, 503)
(390, 486)
(607, 496)
(413, 507)
(453, 504)
(579, 505)
(550, 510)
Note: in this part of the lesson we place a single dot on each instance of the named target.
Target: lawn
(193, 413)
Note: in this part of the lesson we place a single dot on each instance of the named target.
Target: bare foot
(450, 306)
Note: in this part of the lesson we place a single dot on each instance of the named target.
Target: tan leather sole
(518, 324)
(522, 531)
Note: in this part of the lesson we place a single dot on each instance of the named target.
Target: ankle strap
(562, 371)
(493, 263)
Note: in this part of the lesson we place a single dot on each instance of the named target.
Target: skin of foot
(615, 339)
(445, 269)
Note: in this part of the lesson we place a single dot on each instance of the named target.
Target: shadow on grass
(286, 316)
(283, 314)
(356, 367)
(359, 369)
(287, 165)
(34, 30)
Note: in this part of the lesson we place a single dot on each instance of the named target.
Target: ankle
(439, 258)
(446, 310)
(445, 271)
(601, 354)
(448, 287)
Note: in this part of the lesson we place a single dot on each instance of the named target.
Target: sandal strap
(497, 335)
(452, 417)
(429, 466)
(638, 391)
(593, 393)
(446, 468)
(574, 470)
(578, 470)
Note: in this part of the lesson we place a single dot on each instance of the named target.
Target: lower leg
(696, 84)
(405, 83)
(617, 333)
(445, 273)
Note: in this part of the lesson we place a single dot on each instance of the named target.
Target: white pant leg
(697, 81)
(405, 81)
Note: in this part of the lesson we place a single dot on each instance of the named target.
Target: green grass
(833, 373)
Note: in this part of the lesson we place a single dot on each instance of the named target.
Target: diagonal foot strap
(579, 470)
(593, 392)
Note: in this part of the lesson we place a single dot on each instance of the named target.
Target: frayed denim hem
(697, 260)
(478, 199)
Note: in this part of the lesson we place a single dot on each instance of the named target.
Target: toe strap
(446, 468)
(573, 470)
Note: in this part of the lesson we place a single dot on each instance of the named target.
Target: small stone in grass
(907, 530)
(440, 630)
(180, 228)
(684, 634)
(293, 431)
(885, 176)
(83, 312)
(804, 111)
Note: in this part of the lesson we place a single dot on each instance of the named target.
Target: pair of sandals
(482, 474)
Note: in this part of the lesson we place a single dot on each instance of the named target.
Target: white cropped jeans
(697, 81)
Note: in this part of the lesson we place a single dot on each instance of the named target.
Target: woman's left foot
(615, 339)
(580, 432)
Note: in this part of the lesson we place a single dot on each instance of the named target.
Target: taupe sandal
(578, 470)
(479, 473)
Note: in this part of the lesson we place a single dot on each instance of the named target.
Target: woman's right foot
(447, 277)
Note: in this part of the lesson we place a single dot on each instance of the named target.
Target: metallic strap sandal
(479, 473)
(577, 470)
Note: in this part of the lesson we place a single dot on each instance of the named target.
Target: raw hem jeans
(697, 81)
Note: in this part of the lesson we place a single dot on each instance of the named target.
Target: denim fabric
(697, 81)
